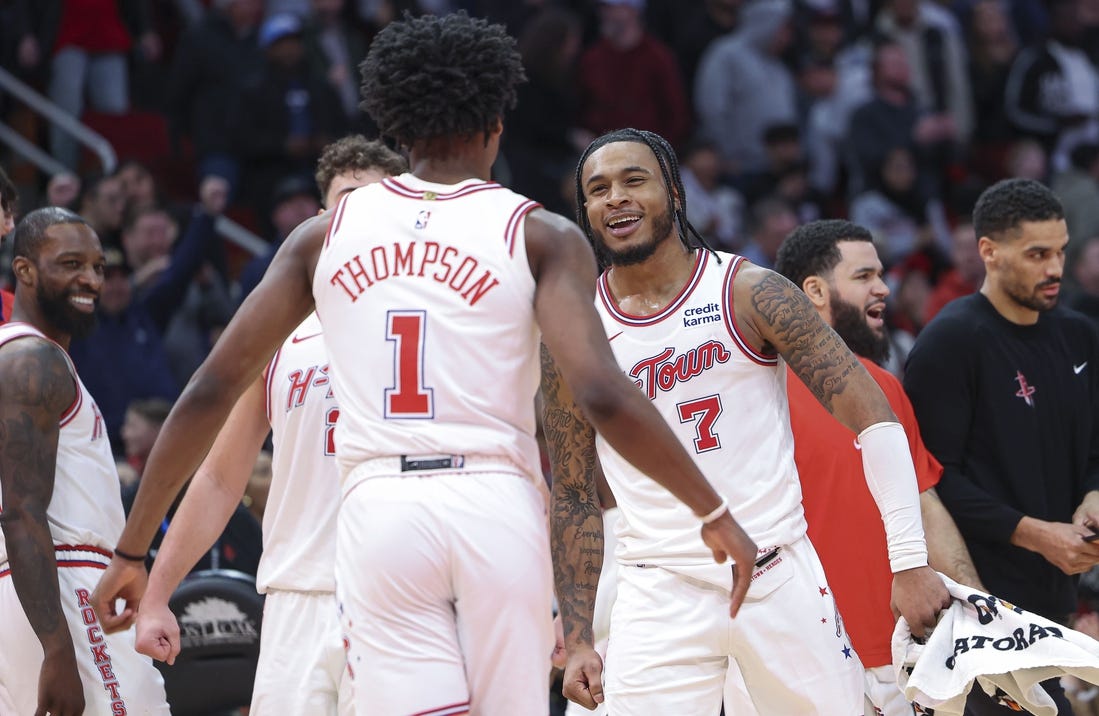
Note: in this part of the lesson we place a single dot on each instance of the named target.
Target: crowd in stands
(895, 114)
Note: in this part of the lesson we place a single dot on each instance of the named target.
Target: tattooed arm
(779, 318)
(576, 531)
(37, 387)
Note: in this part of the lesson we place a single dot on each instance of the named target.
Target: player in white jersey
(301, 668)
(431, 289)
(704, 336)
(61, 510)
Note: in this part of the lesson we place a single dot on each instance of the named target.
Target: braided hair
(669, 170)
(434, 77)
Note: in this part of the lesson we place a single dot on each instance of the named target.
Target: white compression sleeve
(891, 477)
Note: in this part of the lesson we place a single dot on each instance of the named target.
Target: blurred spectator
(782, 150)
(992, 49)
(63, 190)
(1084, 295)
(1027, 159)
(102, 204)
(9, 199)
(1053, 89)
(716, 210)
(88, 42)
(138, 185)
(963, 277)
(213, 61)
(898, 212)
(123, 359)
(628, 78)
(293, 201)
(743, 87)
(1078, 190)
(772, 219)
(689, 28)
(140, 427)
(150, 336)
(542, 138)
(335, 49)
(282, 121)
(937, 58)
(892, 119)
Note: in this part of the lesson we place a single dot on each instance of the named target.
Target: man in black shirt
(1005, 386)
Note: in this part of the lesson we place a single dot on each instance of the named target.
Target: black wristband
(130, 557)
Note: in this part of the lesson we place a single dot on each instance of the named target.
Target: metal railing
(97, 143)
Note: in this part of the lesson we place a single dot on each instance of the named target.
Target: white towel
(1006, 650)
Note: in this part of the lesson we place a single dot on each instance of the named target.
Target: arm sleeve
(940, 379)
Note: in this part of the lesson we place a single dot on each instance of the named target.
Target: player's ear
(816, 289)
(986, 247)
(24, 270)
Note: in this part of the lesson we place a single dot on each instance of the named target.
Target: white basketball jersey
(86, 508)
(427, 303)
(725, 402)
(299, 523)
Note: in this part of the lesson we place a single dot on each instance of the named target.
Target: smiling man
(61, 512)
(1005, 390)
(721, 386)
(836, 265)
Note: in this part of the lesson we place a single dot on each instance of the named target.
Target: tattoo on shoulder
(36, 375)
(812, 349)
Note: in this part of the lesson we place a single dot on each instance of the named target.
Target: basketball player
(705, 336)
(431, 288)
(61, 509)
(8, 199)
(836, 265)
(301, 667)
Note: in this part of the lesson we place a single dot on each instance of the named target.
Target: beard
(1034, 300)
(60, 313)
(850, 323)
(638, 253)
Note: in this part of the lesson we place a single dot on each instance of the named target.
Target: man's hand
(1066, 546)
(60, 692)
(583, 680)
(726, 539)
(919, 595)
(157, 632)
(1087, 514)
(123, 579)
(560, 656)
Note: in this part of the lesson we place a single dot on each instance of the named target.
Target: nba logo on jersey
(422, 218)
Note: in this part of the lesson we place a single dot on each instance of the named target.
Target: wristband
(718, 512)
(129, 557)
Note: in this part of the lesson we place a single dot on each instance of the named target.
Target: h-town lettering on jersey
(665, 370)
(431, 260)
(304, 379)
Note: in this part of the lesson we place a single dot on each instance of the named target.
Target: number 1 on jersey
(704, 413)
(408, 398)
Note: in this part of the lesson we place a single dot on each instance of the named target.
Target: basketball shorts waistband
(73, 555)
(423, 465)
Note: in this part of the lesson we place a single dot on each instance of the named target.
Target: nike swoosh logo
(1077, 368)
(299, 339)
(616, 335)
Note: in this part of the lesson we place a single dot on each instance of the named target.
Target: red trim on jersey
(268, 376)
(604, 290)
(83, 548)
(730, 316)
(63, 563)
(450, 710)
(68, 416)
(516, 220)
(400, 189)
(337, 217)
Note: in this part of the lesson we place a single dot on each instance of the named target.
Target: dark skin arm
(37, 389)
(777, 317)
(576, 529)
(279, 303)
(584, 390)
